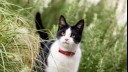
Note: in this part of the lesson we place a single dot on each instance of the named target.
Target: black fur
(39, 26)
(41, 60)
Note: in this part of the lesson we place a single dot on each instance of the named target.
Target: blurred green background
(104, 43)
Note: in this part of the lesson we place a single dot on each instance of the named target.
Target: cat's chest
(54, 52)
(61, 62)
(60, 58)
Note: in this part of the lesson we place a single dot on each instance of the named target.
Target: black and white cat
(64, 53)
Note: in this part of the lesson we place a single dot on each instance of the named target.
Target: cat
(62, 54)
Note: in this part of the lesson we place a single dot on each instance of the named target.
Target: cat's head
(69, 35)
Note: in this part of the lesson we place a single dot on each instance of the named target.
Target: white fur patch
(68, 32)
(58, 62)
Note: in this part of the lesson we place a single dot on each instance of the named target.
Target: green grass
(104, 43)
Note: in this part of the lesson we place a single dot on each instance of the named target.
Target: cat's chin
(66, 43)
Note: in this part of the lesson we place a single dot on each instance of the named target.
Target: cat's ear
(80, 24)
(62, 21)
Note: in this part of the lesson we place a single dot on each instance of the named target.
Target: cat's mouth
(65, 42)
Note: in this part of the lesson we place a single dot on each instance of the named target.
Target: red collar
(67, 53)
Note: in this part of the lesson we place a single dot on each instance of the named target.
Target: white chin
(65, 44)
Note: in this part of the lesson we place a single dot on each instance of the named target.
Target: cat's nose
(66, 39)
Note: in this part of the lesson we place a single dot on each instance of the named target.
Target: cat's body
(64, 53)
(58, 62)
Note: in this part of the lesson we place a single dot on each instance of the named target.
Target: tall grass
(17, 40)
(104, 43)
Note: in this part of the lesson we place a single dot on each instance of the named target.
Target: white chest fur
(58, 62)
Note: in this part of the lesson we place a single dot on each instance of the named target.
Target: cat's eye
(73, 35)
(63, 33)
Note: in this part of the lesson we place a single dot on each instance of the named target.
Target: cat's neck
(71, 48)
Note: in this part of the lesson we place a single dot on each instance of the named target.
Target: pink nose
(66, 39)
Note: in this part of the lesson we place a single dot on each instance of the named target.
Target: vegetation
(104, 43)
